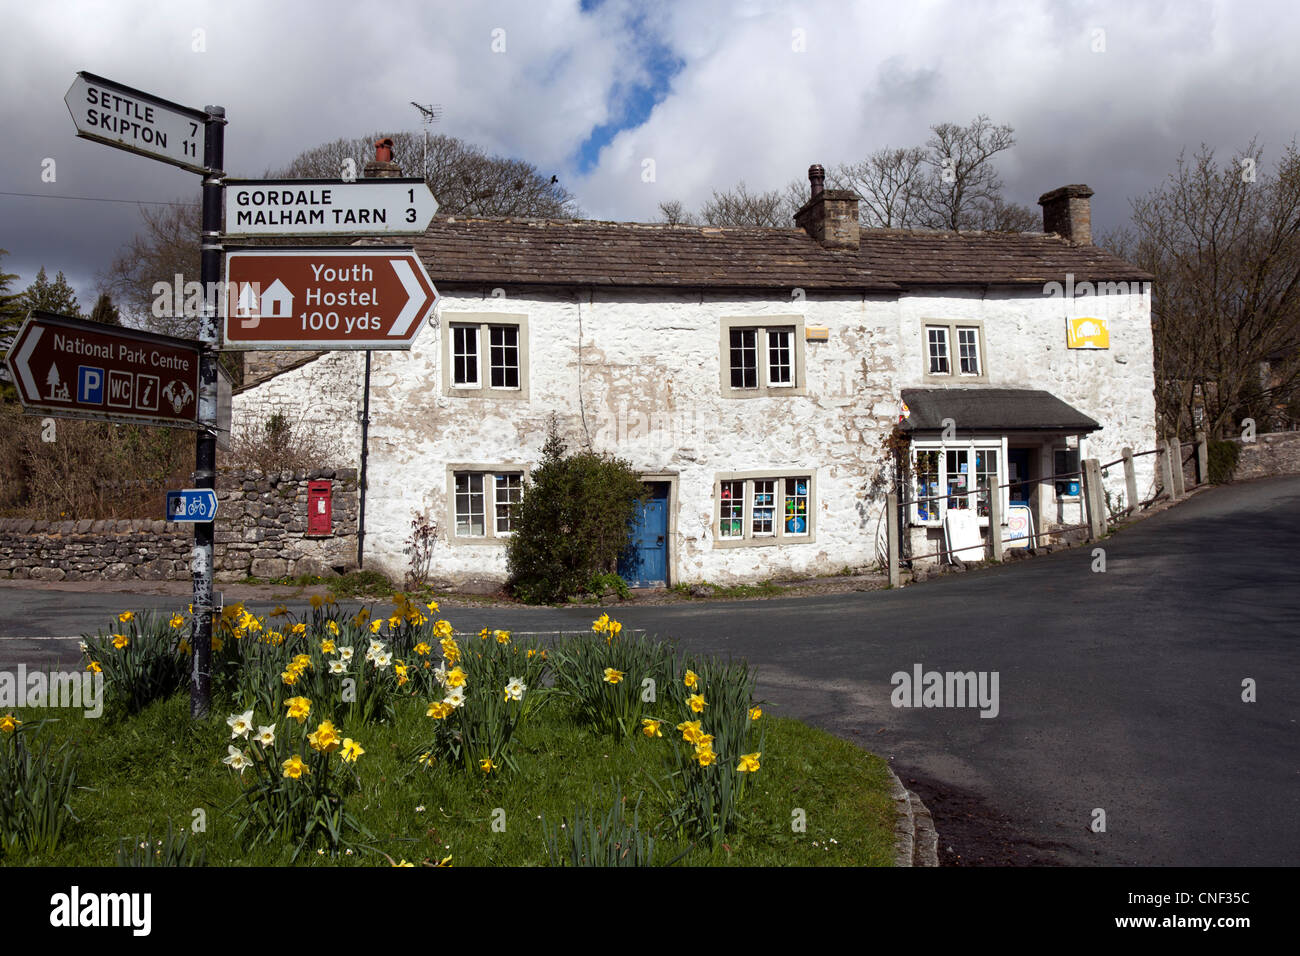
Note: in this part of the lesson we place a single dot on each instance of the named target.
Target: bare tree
(167, 246)
(740, 207)
(949, 184)
(1224, 246)
(962, 177)
(889, 184)
(673, 213)
(464, 178)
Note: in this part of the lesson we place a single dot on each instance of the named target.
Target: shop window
(765, 508)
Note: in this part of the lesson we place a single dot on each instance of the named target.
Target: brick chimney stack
(1067, 212)
(382, 166)
(831, 215)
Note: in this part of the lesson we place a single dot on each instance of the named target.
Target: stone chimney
(1067, 212)
(831, 215)
(382, 166)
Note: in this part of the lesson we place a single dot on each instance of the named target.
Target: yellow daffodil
(9, 723)
(177, 622)
(612, 676)
(299, 628)
(351, 750)
(302, 661)
(427, 759)
(294, 768)
(705, 757)
(332, 627)
(483, 634)
(217, 643)
(439, 710)
(422, 649)
(327, 646)
(455, 677)
(325, 739)
(299, 708)
(755, 713)
(394, 622)
(126, 617)
(503, 637)
(94, 667)
(445, 861)
(280, 611)
(120, 641)
(403, 863)
(450, 649)
(651, 727)
(316, 602)
(486, 765)
(691, 732)
(697, 703)
(376, 624)
(691, 680)
(329, 598)
(442, 629)
(289, 677)
(749, 762)
(433, 607)
(600, 624)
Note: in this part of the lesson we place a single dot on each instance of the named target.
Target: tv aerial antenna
(429, 114)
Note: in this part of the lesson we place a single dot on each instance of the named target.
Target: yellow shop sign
(1085, 332)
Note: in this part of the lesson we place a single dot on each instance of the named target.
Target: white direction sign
(327, 207)
(120, 116)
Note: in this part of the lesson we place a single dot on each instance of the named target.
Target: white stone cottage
(750, 375)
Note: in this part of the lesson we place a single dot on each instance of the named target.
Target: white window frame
(483, 323)
(932, 340)
(975, 345)
(488, 474)
(970, 446)
(781, 494)
(952, 329)
(765, 328)
(454, 331)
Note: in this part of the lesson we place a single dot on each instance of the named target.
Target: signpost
(192, 504)
(72, 368)
(326, 298)
(327, 207)
(120, 116)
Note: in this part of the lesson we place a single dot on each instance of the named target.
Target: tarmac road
(1118, 691)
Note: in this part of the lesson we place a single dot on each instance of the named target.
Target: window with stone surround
(482, 502)
(954, 351)
(762, 356)
(485, 355)
(964, 470)
(764, 507)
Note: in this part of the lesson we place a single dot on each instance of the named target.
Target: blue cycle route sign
(192, 504)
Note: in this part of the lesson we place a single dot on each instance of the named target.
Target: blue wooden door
(645, 564)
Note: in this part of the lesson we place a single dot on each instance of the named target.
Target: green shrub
(572, 523)
(602, 584)
(1223, 461)
(36, 785)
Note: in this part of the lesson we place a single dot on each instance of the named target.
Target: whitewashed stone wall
(643, 381)
(323, 396)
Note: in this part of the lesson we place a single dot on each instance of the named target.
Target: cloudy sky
(712, 91)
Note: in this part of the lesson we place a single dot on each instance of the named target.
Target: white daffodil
(383, 658)
(345, 653)
(84, 646)
(376, 648)
(240, 724)
(265, 735)
(515, 689)
(455, 696)
(440, 674)
(237, 759)
(338, 667)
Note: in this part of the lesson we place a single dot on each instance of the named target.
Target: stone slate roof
(480, 251)
(979, 408)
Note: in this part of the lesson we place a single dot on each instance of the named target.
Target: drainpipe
(365, 453)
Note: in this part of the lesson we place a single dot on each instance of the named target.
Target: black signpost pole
(205, 454)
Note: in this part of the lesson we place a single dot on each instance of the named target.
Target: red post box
(320, 517)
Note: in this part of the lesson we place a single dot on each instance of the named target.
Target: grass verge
(135, 775)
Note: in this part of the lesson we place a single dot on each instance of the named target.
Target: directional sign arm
(415, 297)
(23, 360)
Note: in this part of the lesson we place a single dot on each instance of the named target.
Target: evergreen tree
(56, 296)
(105, 312)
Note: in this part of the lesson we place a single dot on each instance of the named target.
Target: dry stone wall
(261, 531)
